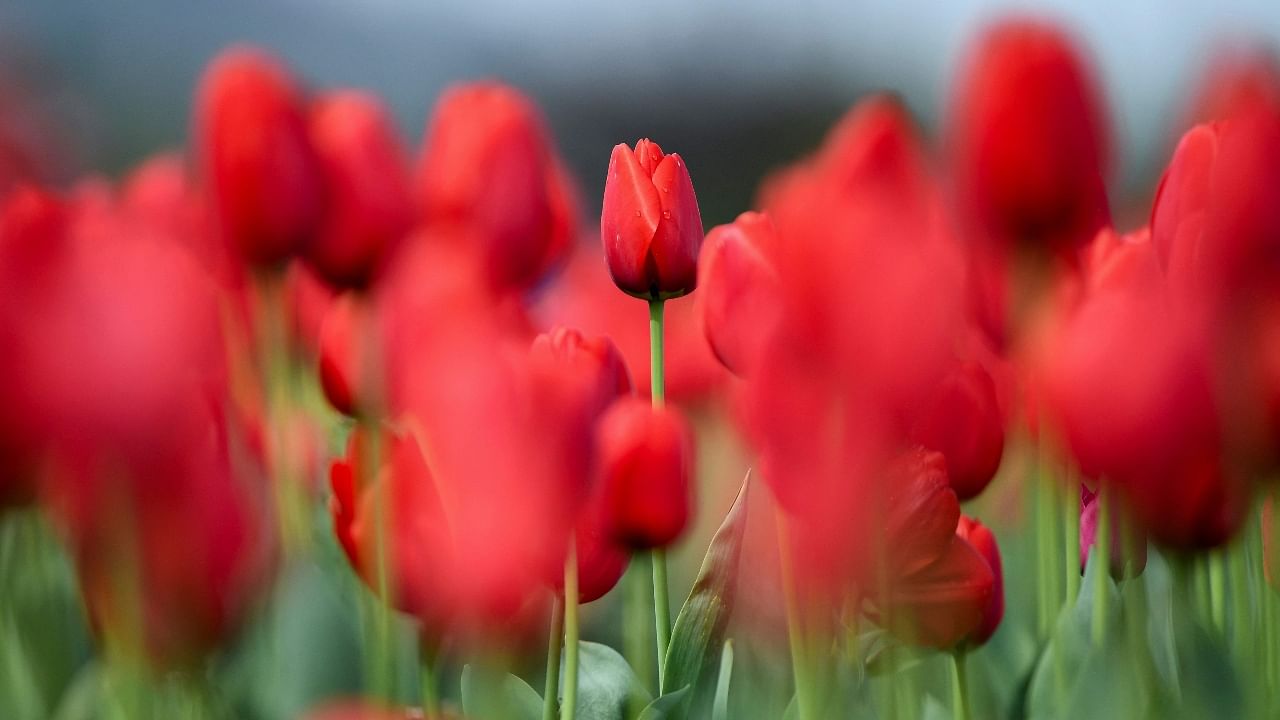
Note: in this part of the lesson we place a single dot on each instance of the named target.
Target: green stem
(1101, 555)
(555, 640)
(1071, 536)
(661, 595)
(1044, 551)
(1217, 591)
(805, 709)
(959, 686)
(637, 630)
(430, 695)
(570, 706)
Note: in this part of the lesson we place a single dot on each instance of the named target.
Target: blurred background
(738, 87)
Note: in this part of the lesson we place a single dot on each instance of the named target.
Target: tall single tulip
(651, 226)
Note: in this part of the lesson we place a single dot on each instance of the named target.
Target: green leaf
(83, 698)
(663, 707)
(720, 707)
(699, 631)
(606, 683)
(494, 696)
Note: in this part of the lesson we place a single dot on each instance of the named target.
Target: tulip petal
(631, 214)
(679, 233)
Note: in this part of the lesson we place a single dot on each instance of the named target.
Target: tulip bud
(488, 166)
(982, 540)
(739, 281)
(601, 560)
(963, 422)
(650, 224)
(368, 209)
(647, 459)
(1029, 143)
(921, 511)
(594, 365)
(342, 354)
(256, 160)
(945, 603)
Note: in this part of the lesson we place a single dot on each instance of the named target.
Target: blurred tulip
(1128, 555)
(594, 363)
(920, 512)
(963, 422)
(256, 160)
(344, 352)
(648, 462)
(946, 602)
(982, 540)
(368, 208)
(1028, 139)
(739, 289)
(601, 560)
(1215, 222)
(488, 165)
(1237, 78)
(651, 226)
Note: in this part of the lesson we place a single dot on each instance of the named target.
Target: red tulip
(1215, 222)
(963, 422)
(982, 540)
(369, 208)
(945, 603)
(256, 160)
(345, 352)
(1128, 556)
(739, 284)
(650, 224)
(1028, 139)
(488, 165)
(594, 363)
(601, 560)
(647, 459)
(1237, 79)
(920, 512)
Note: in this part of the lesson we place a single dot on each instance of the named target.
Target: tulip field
(306, 419)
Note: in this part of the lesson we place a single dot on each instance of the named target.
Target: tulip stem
(1071, 521)
(658, 557)
(795, 626)
(959, 686)
(1101, 554)
(555, 640)
(430, 696)
(569, 708)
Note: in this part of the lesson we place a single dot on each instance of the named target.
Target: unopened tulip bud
(739, 281)
(647, 458)
(982, 540)
(963, 423)
(650, 224)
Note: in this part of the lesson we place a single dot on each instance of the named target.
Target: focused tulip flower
(963, 422)
(256, 159)
(982, 540)
(488, 166)
(1028, 140)
(651, 226)
(647, 459)
(369, 208)
(1127, 553)
(739, 282)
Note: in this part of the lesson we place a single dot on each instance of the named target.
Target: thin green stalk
(1217, 591)
(1241, 612)
(569, 708)
(1044, 552)
(800, 669)
(555, 640)
(1071, 538)
(1102, 557)
(637, 629)
(658, 392)
(959, 686)
(430, 694)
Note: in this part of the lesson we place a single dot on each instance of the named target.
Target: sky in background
(737, 87)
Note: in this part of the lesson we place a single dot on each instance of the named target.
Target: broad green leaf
(662, 707)
(494, 696)
(605, 683)
(698, 634)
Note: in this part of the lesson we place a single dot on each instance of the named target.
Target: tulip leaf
(698, 634)
(664, 706)
(498, 696)
(606, 683)
(720, 707)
